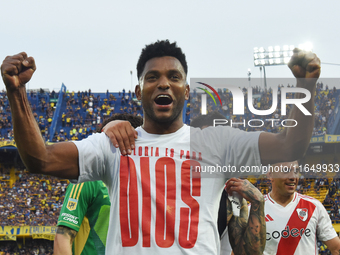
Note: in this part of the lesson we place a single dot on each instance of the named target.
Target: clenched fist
(305, 64)
(17, 70)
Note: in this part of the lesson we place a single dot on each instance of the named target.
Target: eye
(151, 78)
(175, 77)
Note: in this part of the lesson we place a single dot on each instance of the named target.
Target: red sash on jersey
(288, 245)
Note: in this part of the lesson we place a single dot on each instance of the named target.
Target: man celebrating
(160, 205)
(295, 222)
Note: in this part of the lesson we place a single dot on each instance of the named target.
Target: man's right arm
(247, 237)
(63, 241)
(60, 159)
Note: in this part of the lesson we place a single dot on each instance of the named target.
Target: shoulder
(313, 201)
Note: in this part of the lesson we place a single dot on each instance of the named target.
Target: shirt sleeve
(230, 150)
(94, 153)
(77, 200)
(325, 230)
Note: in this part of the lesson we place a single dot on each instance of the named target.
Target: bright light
(306, 46)
(278, 55)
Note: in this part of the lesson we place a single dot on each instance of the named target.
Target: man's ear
(269, 175)
(138, 92)
(187, 91)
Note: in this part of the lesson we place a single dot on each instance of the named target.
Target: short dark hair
(135, 121)
(206, 120)
(160, 49)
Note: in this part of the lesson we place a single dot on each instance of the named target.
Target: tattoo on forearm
(248, 238)
(67, 232)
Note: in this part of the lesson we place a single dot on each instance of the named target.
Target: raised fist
(305, 64)
(17, 70)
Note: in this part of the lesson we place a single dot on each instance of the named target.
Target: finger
(232, 181)
(131, 135)
(11, 69)
(233, 186)
(308, 57)
(313, 70)
(298, 55)
(112, 137)
(29, 63)
(121, 137)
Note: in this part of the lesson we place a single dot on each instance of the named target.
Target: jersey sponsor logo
(105, 196)
(70, 218)
(302, 213)
(287, 232)
(72, 204)
(268, 218)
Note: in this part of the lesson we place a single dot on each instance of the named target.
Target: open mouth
(163, 100)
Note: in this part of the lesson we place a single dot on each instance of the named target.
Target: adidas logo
(268, 218)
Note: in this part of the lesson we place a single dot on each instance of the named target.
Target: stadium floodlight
(276, 56)
(273, 56)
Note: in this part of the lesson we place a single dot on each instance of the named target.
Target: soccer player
(83, 221)
(158, 202)
(295, 222)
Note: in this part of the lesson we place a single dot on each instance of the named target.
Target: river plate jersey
(295, 228)
(161, 204)
(85, 209)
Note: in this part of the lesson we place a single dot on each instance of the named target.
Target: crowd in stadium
(31, 247)
(32, 200)
(35, 200)
(84, 111)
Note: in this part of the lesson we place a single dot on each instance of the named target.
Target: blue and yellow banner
(317, 139)
(26, 230)
(332, 138)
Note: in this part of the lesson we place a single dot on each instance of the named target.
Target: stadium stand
(31, 203)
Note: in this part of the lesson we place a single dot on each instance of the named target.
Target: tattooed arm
(63, 240)
(247, 237)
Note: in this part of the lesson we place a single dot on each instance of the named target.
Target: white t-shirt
(159, 203)
(295, 228)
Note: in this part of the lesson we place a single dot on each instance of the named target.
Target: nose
(163, 83)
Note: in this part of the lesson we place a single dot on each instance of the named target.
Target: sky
(96, 44)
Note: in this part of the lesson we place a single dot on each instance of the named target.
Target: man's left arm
(333, 245)
(293, 142)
